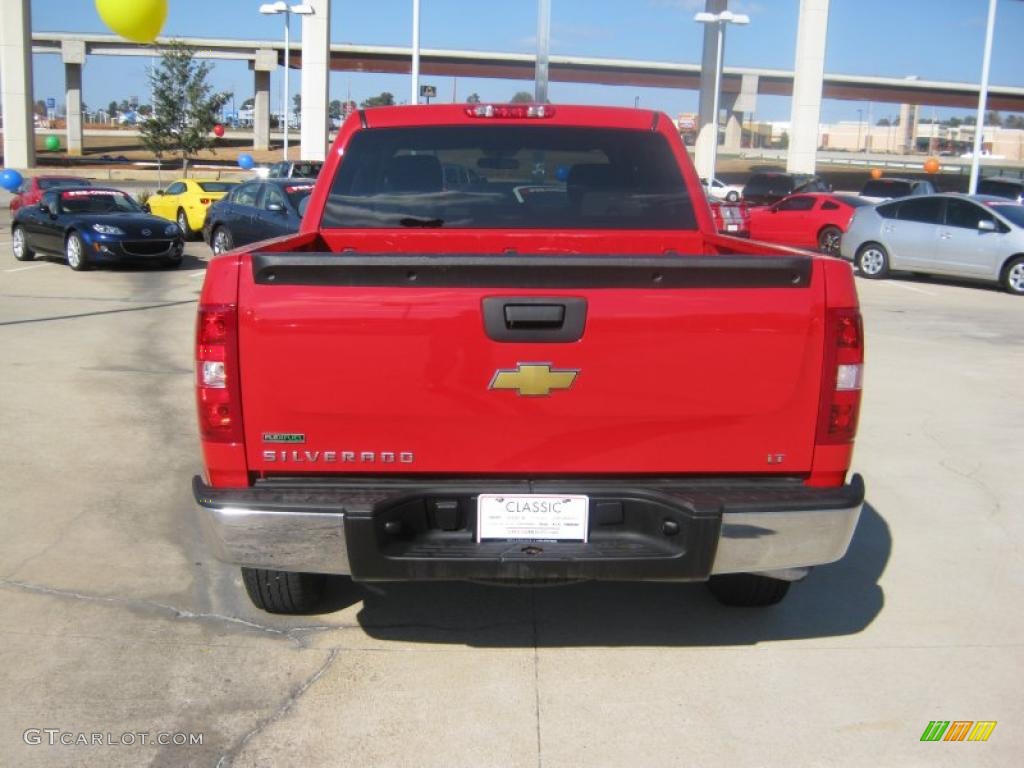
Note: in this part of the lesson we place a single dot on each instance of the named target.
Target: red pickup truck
(508, 345)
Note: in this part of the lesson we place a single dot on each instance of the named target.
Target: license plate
(732, 227)
(532, 517)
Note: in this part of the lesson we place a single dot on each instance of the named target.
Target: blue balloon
(562, 172)
(246, 162)
(10, 179)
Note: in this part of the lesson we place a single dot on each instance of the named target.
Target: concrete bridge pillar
(707, 125)
(733, 132)
(316, 70)
(73, 54)
(808, 77)
(265, 63)
(738, 105)
(16, 83)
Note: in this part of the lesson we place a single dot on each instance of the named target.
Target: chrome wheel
(828, 241)
(21, 249)
(1014, 279)
(183, 224)
(221, 240)
(75, 252)
(873, 261)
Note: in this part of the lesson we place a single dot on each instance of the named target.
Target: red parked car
(813, 220)
(731, 218)
(32, 191)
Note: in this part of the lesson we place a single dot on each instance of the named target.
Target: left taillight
(218, 396)
(839, 406)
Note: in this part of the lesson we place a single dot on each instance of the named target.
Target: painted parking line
(198, 274)
(907, 287)
(22, 269)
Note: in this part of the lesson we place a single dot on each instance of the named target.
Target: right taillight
(839, 406)
(217, 392)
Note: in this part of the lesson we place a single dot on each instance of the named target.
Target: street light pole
(414, 92)
(287, 10)
(979, 123)
(719, 20)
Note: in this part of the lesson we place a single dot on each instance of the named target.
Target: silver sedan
(979, 237)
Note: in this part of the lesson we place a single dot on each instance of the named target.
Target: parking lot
(116, 621)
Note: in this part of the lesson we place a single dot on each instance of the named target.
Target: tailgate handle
(534, 318)
(534, 315)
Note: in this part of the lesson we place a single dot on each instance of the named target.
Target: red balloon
(218, 130)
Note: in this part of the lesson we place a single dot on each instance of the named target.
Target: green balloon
(52, 143)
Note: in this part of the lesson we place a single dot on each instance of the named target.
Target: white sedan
(722, 191)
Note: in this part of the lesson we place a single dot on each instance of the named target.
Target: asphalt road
(115, 621)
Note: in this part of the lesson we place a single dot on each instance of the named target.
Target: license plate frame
(533, 517)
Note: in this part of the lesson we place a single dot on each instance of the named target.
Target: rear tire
(828, 240)
(284, 591)
(873, 261)
(74, 251)
(1013, 276)
(221, 240)
(20, 245)
(186, 231)
(747, 589)
(732, 197)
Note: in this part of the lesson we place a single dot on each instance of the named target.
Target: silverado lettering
(345, 457)
(696, 413)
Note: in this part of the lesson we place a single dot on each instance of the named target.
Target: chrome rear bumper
(293, 529)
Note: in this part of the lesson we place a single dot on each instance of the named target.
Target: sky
(932, 39)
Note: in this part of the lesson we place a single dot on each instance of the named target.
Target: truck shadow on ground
(839, 599)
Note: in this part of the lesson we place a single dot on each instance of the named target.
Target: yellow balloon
(137, 20)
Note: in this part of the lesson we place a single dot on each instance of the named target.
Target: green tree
(334, 109)
(384, 100)
(297, 104)
(993, 118)
(145, 110)
(473, 98)
(40, 108)
(249, 103)
(185, 106)
(112, 109)
(522, 96)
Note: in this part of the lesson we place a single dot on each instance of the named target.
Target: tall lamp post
(979, 123)
(271, 9)
(719, 20)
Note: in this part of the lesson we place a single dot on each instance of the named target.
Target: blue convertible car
(93, 225)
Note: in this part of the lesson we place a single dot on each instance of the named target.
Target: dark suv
(295, 170)
(877, 190)
(769, 187)
(1003, 186)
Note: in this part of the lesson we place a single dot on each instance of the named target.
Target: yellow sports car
(186, 200)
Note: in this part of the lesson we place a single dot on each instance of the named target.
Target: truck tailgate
(431, 364)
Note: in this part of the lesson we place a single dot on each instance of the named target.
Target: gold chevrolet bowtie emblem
(533, 379)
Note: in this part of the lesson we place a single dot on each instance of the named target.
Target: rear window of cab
(509, 177)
